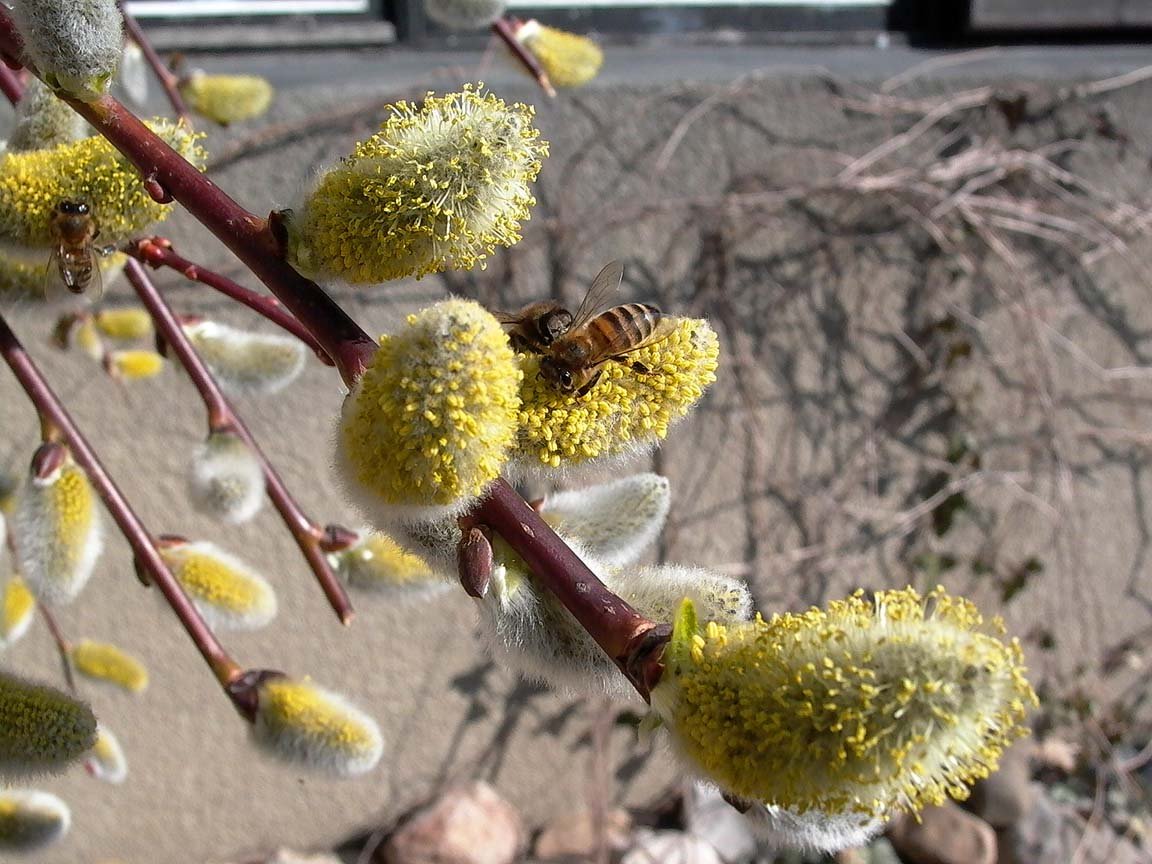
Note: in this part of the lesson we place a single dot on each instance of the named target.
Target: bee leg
(591, 383)
(635, 365)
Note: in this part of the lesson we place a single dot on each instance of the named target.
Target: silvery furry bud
(75, 44)
(57, 525)
(225, 479)
(44, 121)
(464, 14)
(614, 521)
(246, 362)
(105, 761)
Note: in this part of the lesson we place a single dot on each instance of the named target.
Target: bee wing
(53, 280)
(600, 296)
(621, 344)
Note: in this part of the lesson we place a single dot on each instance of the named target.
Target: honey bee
(535, 327)
(573, 361)
(74, 255)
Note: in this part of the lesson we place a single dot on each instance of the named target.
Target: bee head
(73, 208)
(552, 325)
(556, 375)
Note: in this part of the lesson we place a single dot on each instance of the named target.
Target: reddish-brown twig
(635, 643)
(158, 252)
(143, 546)
(163, 74)
(221, 417)
(11, 85)
(505, 29)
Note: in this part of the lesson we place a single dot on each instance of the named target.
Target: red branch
(48, 405)
(634, 642)
(158, 252)
(221, 417)
(11, 85)
(163, 74)
(505, 29)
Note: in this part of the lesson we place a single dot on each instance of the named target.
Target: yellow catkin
(228, 593)
(570, 60)
(379, 563)
(91, 170)
(228, 98)
(303, 723)
(135, 365)
(17, 609)
(431, 421)
(441, 185)
(106, 662)
(870, 707)
(625, 410)
(125, 324)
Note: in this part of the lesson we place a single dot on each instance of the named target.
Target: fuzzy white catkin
(225, 479)
(105, 761)
(248, 363)
(228, 593)
(779, 829)
(301, 723)
(614, 521)
(75, 44)
(43, 121)
(57, 524)
(31, 820)
(464, 14)
(529, 631)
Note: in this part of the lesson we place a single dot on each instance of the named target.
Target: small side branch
(143, 546)
(158, 252)
(163, 74)
(309, 536)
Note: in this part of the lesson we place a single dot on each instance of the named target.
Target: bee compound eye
(566, 378)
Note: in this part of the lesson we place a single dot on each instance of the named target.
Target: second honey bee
(75, 257)
(596, 334)
(535, 327)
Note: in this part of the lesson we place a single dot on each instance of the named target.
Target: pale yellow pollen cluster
(106, 662)
(442, 184)
(869, 708)
(626, 409)
(34, 182)
(31, 820)
(433, 418)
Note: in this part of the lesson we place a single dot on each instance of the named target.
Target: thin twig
(142, 543)
(505, 29)
(163, 74)
(11, 85)
(222, 417)
(63, 646)
(158, 252)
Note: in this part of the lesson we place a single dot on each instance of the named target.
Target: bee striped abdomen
(636, 321)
